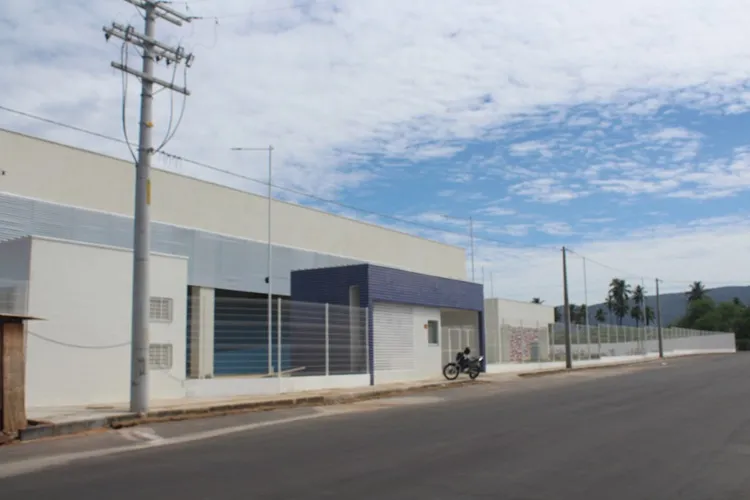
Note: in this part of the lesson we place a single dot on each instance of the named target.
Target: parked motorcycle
(464, 363)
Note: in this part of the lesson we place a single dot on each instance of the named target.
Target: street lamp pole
(471, 240)
(269, 263)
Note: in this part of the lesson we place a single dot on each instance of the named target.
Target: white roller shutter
(393, 337)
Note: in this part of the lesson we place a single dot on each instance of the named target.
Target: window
(433, 337)
(160, 310)
(160, 356)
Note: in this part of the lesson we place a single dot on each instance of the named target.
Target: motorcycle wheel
(451, 371)
(473, 374)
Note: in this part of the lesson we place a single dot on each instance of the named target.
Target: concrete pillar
(202, 302)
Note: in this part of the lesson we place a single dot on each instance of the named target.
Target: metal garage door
(393, 337)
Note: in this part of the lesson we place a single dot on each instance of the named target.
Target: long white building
(66, 231)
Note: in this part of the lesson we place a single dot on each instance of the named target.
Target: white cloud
(496, 211)
(320, 83)
(710, 250)
(555, 228)
(545, 191)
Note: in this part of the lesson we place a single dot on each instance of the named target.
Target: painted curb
(131, 420)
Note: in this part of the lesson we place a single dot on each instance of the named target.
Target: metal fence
(304, 338)
(540, 342)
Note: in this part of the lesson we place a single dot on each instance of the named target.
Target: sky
(620, 130)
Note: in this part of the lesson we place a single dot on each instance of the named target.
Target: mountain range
(673, 305)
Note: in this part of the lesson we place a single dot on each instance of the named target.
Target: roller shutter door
(393, 337)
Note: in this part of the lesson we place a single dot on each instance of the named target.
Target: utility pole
(154, 51)
(658, 321)
(566, 305)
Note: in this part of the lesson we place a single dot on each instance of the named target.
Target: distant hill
(673, 305)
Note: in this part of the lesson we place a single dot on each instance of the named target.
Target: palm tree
(736, 301)
(610, 303)
(583, 313)
(637, 315)
(600, 317)
(537, 300)
(619, 294)
(650, 316)
(696, 292)
(639, 297)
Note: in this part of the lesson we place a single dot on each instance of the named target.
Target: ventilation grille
(160, 356)
(160, 310)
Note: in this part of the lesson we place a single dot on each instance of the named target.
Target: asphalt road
(680, 431)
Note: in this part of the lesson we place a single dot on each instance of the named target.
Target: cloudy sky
(619, 129)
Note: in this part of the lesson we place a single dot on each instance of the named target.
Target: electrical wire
(124, 62)
(78, 346)
(172, 131)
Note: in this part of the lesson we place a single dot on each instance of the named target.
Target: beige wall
(60, 174)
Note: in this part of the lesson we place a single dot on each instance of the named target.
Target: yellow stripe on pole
(148, 192)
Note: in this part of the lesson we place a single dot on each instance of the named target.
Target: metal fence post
(278, 339)
(328, 345)
(367, 340)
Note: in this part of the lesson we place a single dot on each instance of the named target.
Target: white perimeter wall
(513, 313)
(83, 293)
(52, 172)
(517, 313)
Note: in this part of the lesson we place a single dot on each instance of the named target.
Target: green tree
(600, 317)
(639, 297)
(537, 300)
(637, 315)
(619, 295)
(583, 312)
(650, 316)
(696, 292)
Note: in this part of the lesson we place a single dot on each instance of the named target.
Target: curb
(557, 371)
(131, 419)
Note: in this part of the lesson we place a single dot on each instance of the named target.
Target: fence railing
(541, 342)
(304, 338)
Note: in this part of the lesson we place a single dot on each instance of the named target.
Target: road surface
(680, 431)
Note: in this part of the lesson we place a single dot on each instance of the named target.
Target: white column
(202, 303)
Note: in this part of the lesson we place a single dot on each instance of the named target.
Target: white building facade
(209, 246)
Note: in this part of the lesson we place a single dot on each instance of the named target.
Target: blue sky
(618, 129)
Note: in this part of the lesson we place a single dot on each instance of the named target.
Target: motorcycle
(464, 363)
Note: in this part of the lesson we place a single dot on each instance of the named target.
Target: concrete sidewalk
(60, 421)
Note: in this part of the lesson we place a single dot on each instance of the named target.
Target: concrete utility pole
(153, 51)
(658, 321)
(566, 305)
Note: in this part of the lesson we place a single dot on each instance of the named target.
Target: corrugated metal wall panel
(393, 337)
(216, 261)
